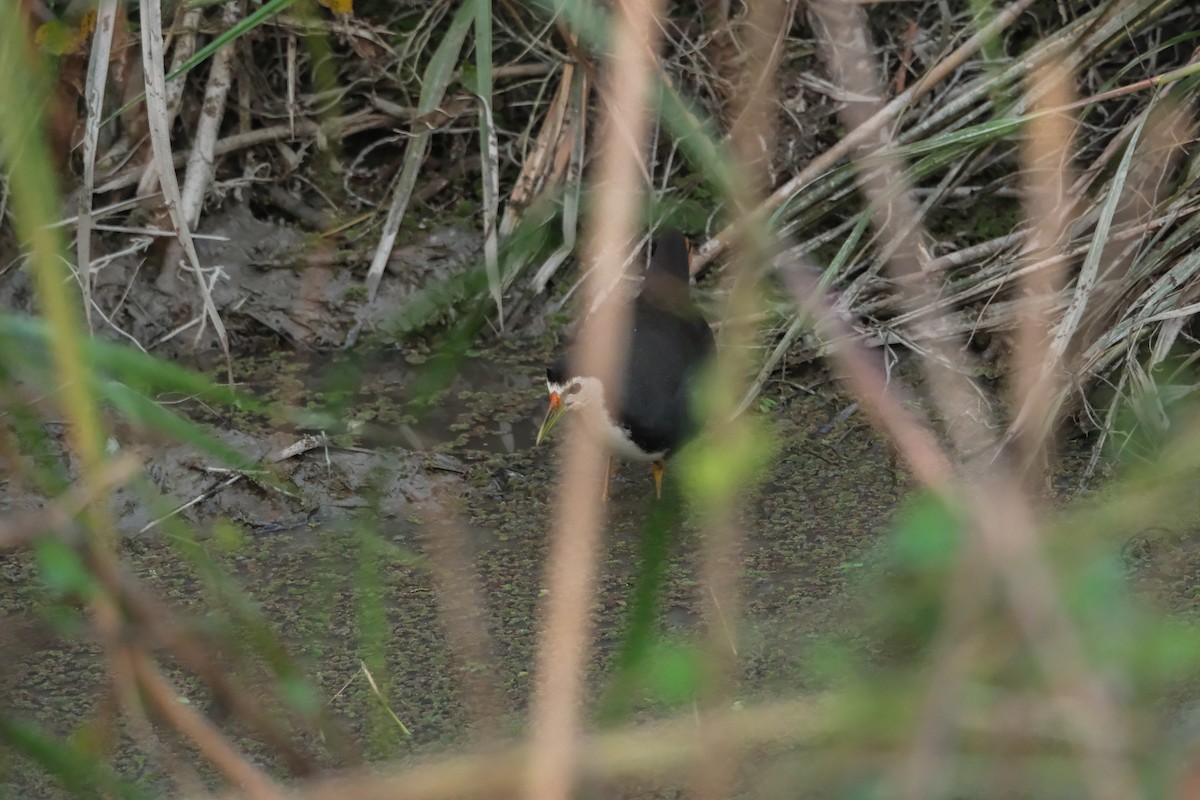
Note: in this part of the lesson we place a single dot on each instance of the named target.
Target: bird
(650, 414)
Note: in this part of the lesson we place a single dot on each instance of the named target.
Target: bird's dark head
(672, 255)
(559, 371)
(667, 280)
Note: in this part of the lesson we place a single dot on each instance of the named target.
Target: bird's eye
(575, 388)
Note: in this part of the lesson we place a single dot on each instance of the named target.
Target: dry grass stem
(885, 404)
(882, 119)
(667, 749)
(571, 566)
(846, 50)
(1046, 162)
(752, 142)
(1001, 515)
(183, 46)
(347, 125)
(462, 608)
(203, 734)
(97, 78)
(671, 749)
(149, 615)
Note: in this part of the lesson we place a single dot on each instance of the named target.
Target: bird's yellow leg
(659, 467)
(607, 475)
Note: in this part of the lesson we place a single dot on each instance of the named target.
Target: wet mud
(309, 538)
(412, 541)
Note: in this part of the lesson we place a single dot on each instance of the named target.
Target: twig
(752, 139)
(212, 111)
(341, 126)
(208, 739)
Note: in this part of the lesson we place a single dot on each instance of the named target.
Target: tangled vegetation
(979, 219)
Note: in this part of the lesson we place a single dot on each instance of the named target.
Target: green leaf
(674, 672)
(929, 534)
(81, 775)
(299, 694)
(62, 569)
(143, 410)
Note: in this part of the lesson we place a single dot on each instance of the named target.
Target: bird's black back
(666, 351)
(669, 343)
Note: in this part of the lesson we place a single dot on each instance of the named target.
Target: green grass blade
(79, 773)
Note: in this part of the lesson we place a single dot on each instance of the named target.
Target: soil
(348, 550)
(342, 581)
(309, 543)
(266, 277)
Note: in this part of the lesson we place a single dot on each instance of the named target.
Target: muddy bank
(343, 525)
(266, 279)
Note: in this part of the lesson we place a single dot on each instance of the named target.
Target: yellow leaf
(59, 38)
(87, 23)
(339, 6)
(53, 37)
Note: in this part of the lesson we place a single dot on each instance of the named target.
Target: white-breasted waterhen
(650, 416)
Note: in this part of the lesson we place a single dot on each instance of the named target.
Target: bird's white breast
(589, 404)
(618, 442)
